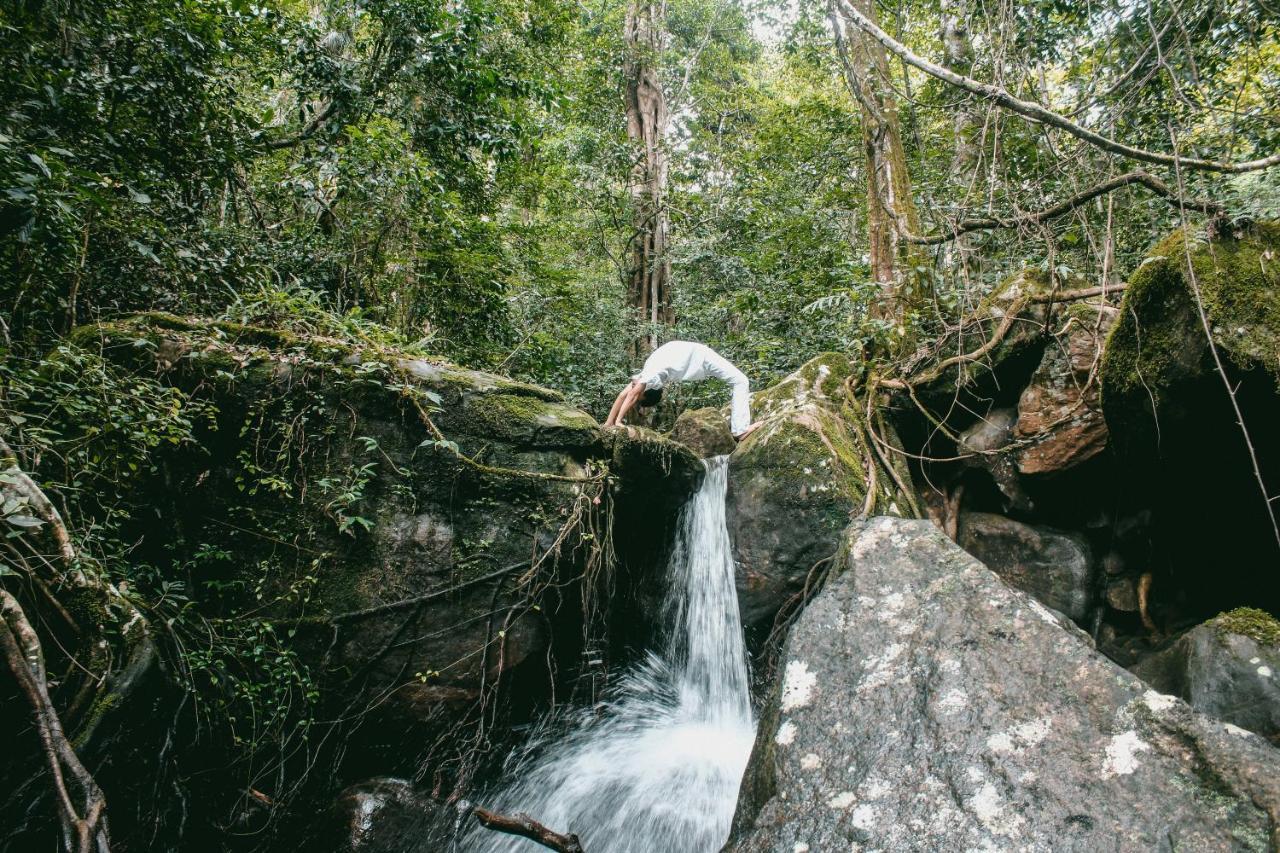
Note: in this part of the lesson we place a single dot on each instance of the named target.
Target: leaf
(24, 521)
(40, 164)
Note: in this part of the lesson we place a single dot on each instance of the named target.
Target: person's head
(650, 397)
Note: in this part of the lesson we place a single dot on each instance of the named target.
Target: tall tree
(891, 210)
(957, 47)
(649, 270)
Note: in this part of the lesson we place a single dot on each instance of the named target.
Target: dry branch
(526, 827)
(1036, 113)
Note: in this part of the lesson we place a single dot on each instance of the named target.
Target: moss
(1158, 342)
(822, 377)
(1250, 622)
(525, 420)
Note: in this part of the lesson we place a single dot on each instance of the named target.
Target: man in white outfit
(685, 361)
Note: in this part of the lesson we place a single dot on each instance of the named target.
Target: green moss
(1250, 622)
(526, 420)
(1158, 343)
(822, 377)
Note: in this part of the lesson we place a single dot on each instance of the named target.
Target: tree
(649, 271)
(891, 210)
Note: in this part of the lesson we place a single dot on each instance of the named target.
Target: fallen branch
(1038, 217)
(526, 827)
(1039, 114)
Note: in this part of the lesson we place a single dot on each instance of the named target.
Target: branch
(307, 132)
(1138, 176)
(526, 827)
(84, 822)
(1039, 114)
(38, 501)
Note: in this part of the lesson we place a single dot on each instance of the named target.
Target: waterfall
(657, 768)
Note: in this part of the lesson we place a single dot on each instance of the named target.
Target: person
(685, 361)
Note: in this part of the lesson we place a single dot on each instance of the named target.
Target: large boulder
(414, 537)
(1054, 566)
(922, 704)
(1193, 426)
(1228, 667)
(794, 484)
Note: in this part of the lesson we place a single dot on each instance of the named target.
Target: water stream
(657, 769)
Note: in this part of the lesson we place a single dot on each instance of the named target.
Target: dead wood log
(526, 827)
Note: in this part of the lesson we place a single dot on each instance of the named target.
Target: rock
(794, 484)
(921, 704)
(1158, 347)
(1228, 667)
(386, 511)
(1059, 412)
(1054, 566)
(704, 431)
(985, 438)
(381, 815)
(1122, 595)
(1176, 434)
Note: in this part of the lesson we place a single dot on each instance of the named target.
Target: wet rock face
(922, 704)
(1222, 671)
(1055, 567)
(1059, 412)
(382, 815)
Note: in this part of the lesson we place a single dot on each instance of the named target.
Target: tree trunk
(891, 210)
(957, 47)
(649, 271)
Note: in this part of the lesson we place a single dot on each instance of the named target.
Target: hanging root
(82, 809)
(526, 827)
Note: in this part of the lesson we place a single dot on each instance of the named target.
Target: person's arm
(740, 406)
(626, 401)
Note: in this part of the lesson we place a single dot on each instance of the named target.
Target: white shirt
(686, 361)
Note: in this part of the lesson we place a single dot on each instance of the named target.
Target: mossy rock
(820, 378)
(796, 482)
(1003, 368)
(1158, 346)
(1258, 625)
(704, 431)
(386, 537)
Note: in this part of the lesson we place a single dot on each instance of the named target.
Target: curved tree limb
(82, 814)
(1036, 113)
(1137, 176)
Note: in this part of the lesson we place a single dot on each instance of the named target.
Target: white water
(657, 769)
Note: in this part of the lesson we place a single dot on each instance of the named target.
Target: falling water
(657, 770)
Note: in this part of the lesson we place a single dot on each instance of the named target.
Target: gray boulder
(1055, 567)
(922, 704)
(1229, 668)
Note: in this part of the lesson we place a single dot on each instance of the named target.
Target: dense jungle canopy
(546, 190)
